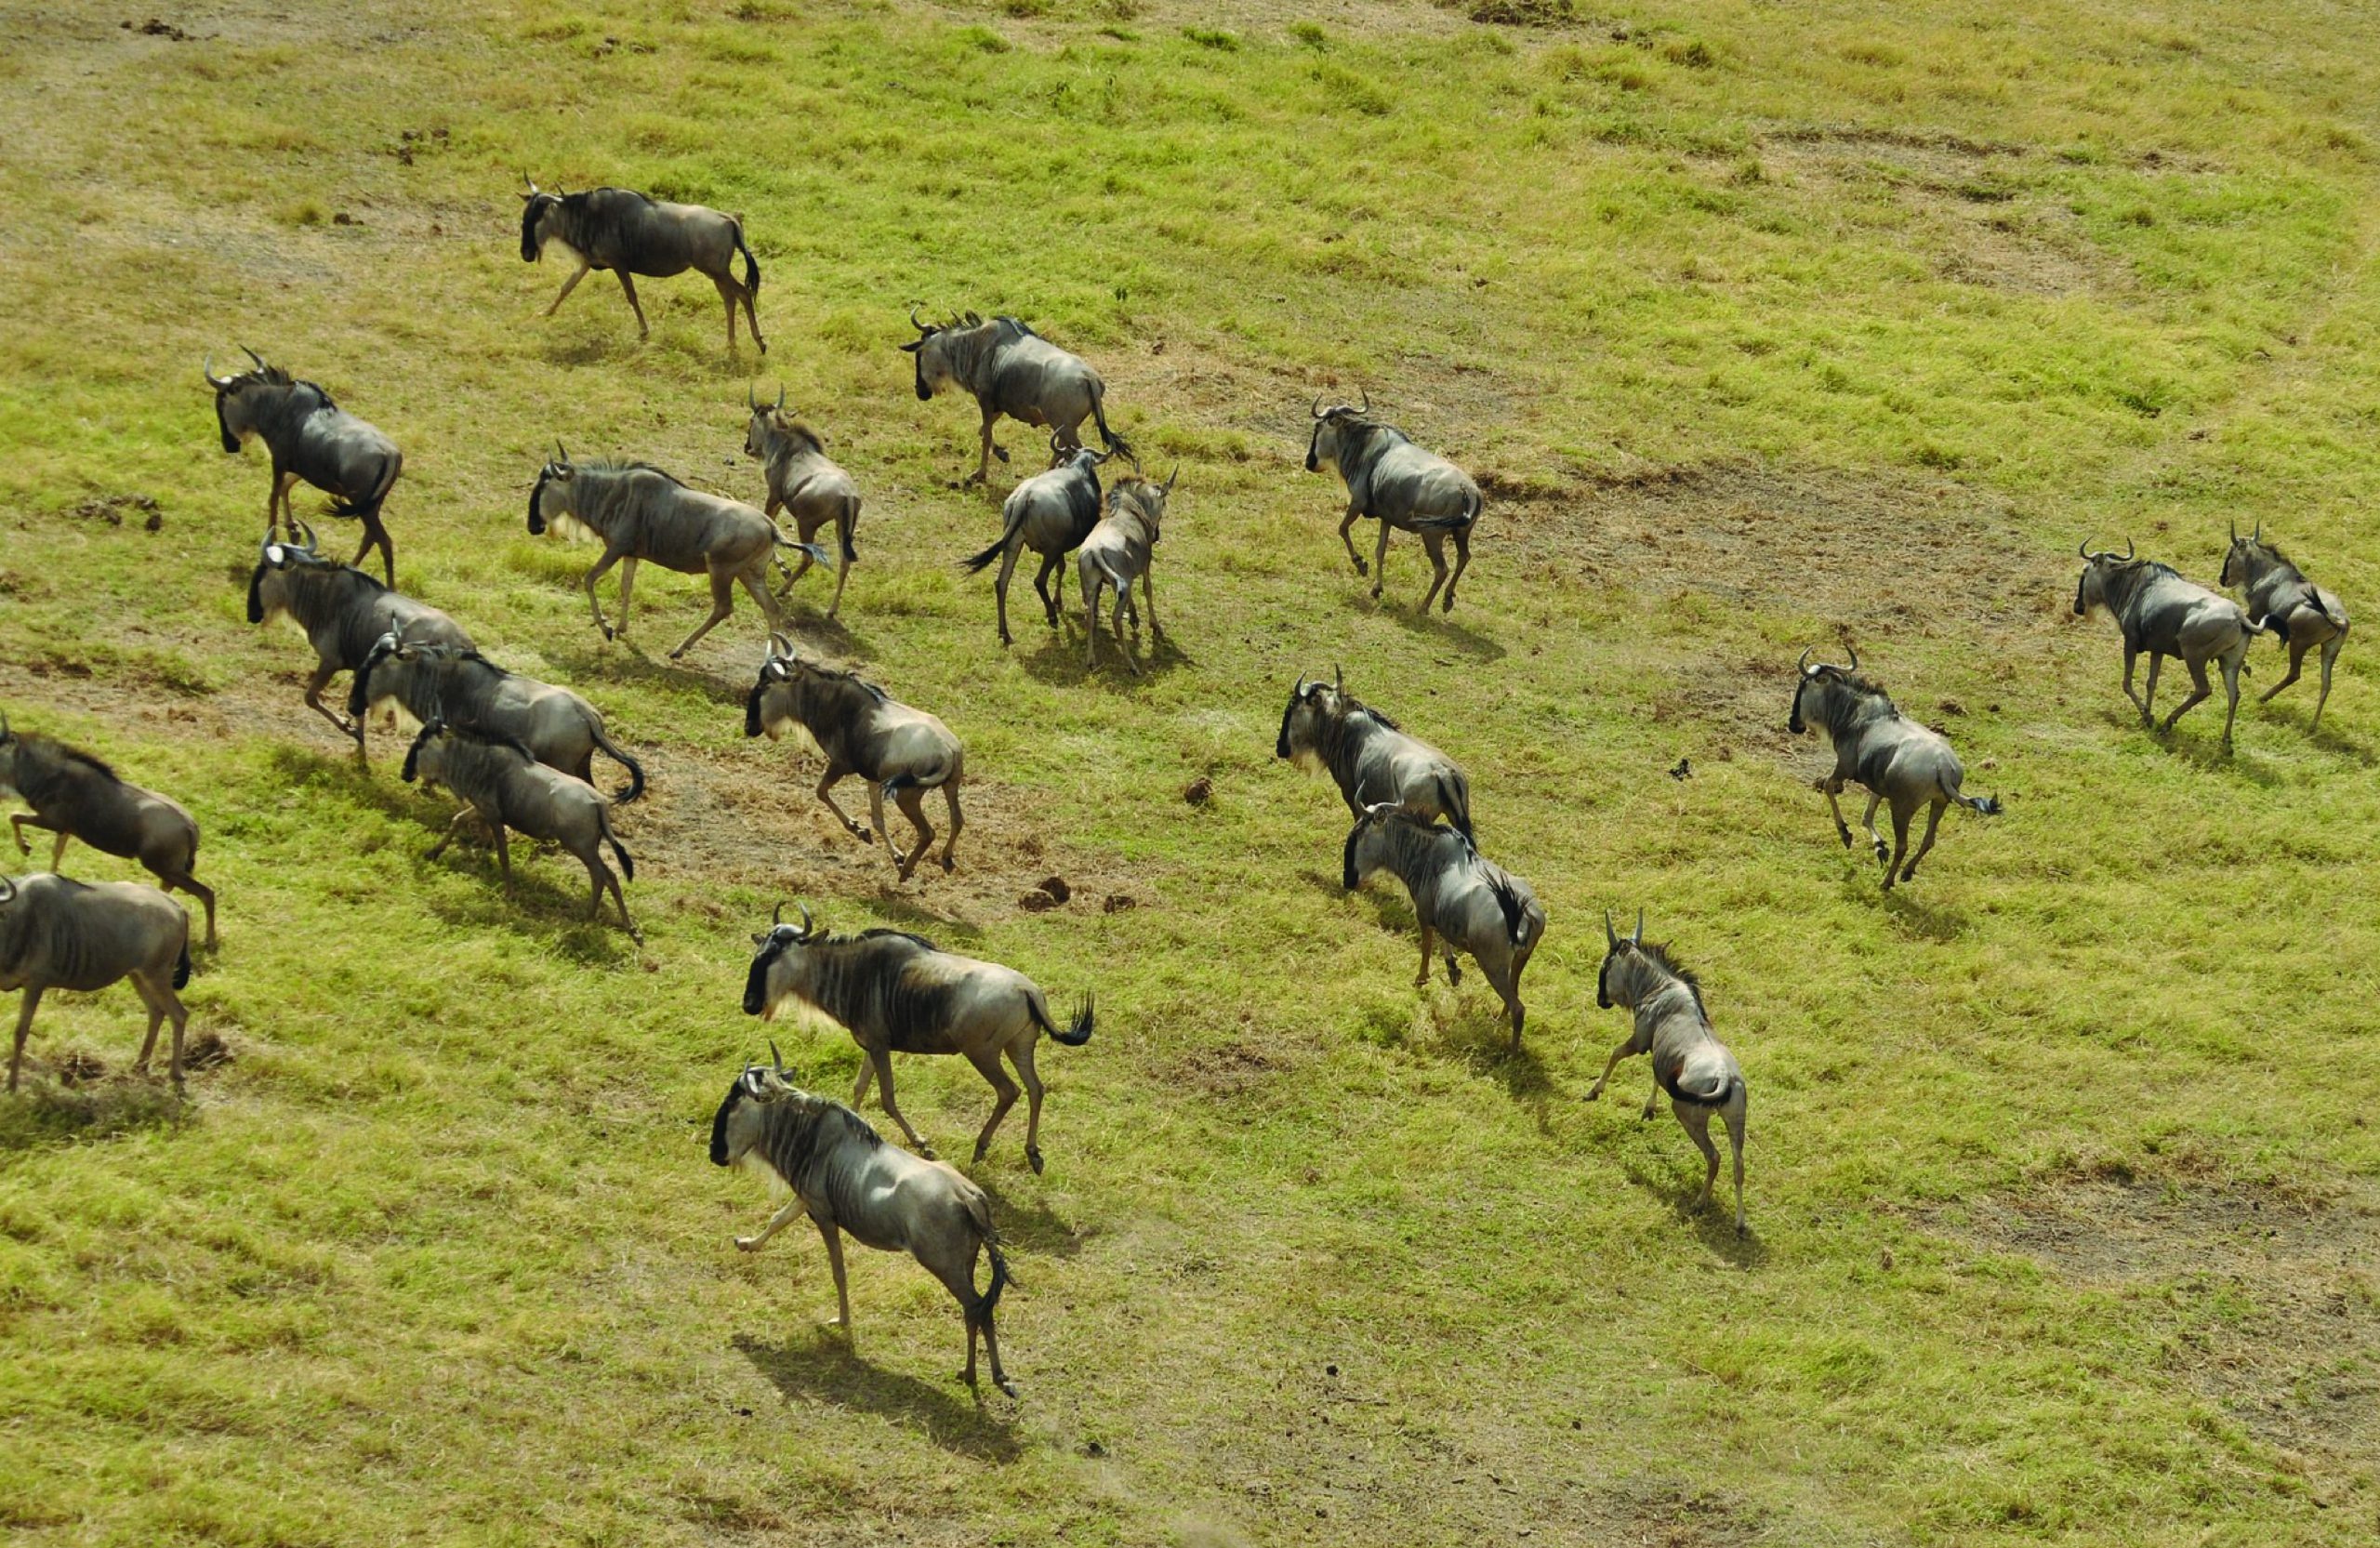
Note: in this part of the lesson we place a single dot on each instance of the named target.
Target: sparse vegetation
(2059, 1183)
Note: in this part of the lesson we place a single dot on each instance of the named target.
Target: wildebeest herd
(518, 754)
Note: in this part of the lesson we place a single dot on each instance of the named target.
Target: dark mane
(1351, 706)
(65, 754)
(613, 465)
(1659, 953)
(1861, 683)
(882, 935)
(471, 738)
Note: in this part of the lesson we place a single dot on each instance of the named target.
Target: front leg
(1379, 562)
(18, 823)
(833, 1237)
(1353, 557)
(602, 565)
(836, 773)
(778, 1221)
(567, 287)
(1834, 803)
(983, 454)
(1627, 1047)
(882, 1061)
(1428, 939)
(1653, 1101)
(314, 687)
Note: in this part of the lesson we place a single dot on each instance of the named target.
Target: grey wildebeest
(1689, 1062)
(2283, 603)
(1367, 754)
(804, 484)
(898, 993)
(628, 233)
(2164, 615)
(504, 786)
(1399, 485)
(1052, 513)
(844, 1177)
(1011, 370)
(76, 795)
(1461, 899)
(1120, 549)
(900, 751)
(639, 512)
(344, 613)
(1897, 758)
(57, 934)
(310, 438)
(471, 693)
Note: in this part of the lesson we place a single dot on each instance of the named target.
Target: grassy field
(1766, 327)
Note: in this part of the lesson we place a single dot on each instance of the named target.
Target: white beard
(570, 529)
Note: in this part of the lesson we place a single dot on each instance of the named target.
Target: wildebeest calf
(471, 693)
(1458, 894)
(805, 484)
(76, 795)
(503, 787)
(1689, 1062)
(56, 934)
(1122, 547)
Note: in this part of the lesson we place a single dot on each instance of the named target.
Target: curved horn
(562, 452)
(1338, 678)
(308, 542)
(780, 397)
(530, 180)
(1638, 939)
(2258, 535)
(774, 1057)
(1855, 654)
(4, 725)
(1299, 692)
(1803, 666)
(1610, 935)
(2127, 546)
(8, 890)
(778, 918)
(2083, 549)
(750, 401)
(253, 355)
(2235, 529)
(206, 369)
(808, 929)
(922, 327)
(1367, 402)
(1316, 410)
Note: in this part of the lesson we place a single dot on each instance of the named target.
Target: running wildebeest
(1398, 485)
(1011, 370)
(504, 786)
(2283, 603)
(1052, 513)
(2164, 615)
(628, 233)
(845, 1177)
(898, 993)
(1120, 548)
(636, 512)
(344, 613)
(471, 693)
(57, 934)
(76, 795)
(310, 438)
(1364, 753)
(900, 751)
(1897, 758)
(1458, 894)
(1689, 1062)
(804, 484)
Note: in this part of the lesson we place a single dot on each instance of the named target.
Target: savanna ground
(1765, 325)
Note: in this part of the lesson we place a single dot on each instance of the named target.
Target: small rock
(1118, 902)
(1093, 1448)
(1952, 706)
(1331, 1370)
(1198, 791)
(1056, 886)
(341, 218)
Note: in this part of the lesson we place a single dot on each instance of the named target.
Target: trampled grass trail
(1762, 328)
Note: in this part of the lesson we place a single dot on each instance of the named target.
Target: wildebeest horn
(1171, 476)
(778, 918)
(1638, 939)
(808, 929)
(530, 180)
(1317, 405)
(2235, 529)
(780, 397)
(1855, 654)
(774, 1057)
(1300, 688)
(2127, 546)
(562, 452)
(2083, 549)
(922, 327)
(1338, 678)
(253, 355)
(1803, 666)
(4, 725)
(8, 890)
(1367, 402)
(206, 369)
(308, 542)
(2258, 535)
(749, 401)
(1609, 934)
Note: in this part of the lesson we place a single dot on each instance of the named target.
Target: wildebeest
(1052, 513)
(1367, 755)
(804, 484)
(1689, 1062)
(2164, 615)
(1458, 894)
(1015, 371)
(845, 1177)
(636, 512)
(900, 751)
(344, 613)
(471, 693)
(1398, 485)
(76, 795)
(57, 934)
(310, 438)
(2283, 603)
(1897, 758)
(898, 993)
(1119, 549)
(630, 233)
(504, 786)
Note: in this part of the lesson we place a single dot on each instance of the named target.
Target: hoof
(926, 1151)
(1005, 1385)
(1594, 1094)
(1032, 1158)
(949, 865)
(748, 1244)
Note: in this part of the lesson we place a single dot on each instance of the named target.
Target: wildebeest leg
(1510, 988)
(866, 1075)
(281, 480)
(1353, 557)
(1834, 802)
(1041, 586)
(2147, 717)
(723, 603)
(191, 885)
(1901, 814)
(1696, 1121)
(25, 1009)
(876, 816)
(1149, 597)
(466, 815)
(611, 556)
(912, 801)
(1091, 591)
(1000, 591)
(1933, 820)
(1020, 1055)
(727, 291)
(1123, 600)
(314, 687)
(755, 586)
(1868, 821)
(2231, 665)
(2330, 655)
(503, 853)
(2296, 657)
(644, 329)
(751, 317)
(1434, 545)
(1429, 938)
(950, 799)
(2199, 689)
(1734, 1114)
(1627, 1047)
(567, 287)
(882, 1061)
(983, 458)
(1653, 1099)
(778, 1221)
(1461, 563)
(833, 1237)
(836, 773)
(1380, 562)
(987, 1064)
(159, 995)
(18, 824)
(57, 849)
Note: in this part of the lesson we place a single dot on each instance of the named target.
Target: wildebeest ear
(911, 347)
(761, 940)
(275, 555)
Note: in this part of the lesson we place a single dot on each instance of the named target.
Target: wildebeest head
(1330, 429)
(933, 349)
(756, 435)
(777, 964)
(1616, 948)
(1808, 676)
(2235, 558)
(430, 739)
(733, 1130)
(549, 501)
(235, 397)
(268, 584)
(2091, 590)
(536, 206)
(1310, 704)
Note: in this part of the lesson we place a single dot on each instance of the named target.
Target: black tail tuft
(751, 264)
(1985, 806)
(849, 526)
(991, 1301)
(181, 967)
(1074, 1035)
(628, 865)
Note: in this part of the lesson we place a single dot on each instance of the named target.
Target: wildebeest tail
(1108, 438)
(1454, 798)
(634, 786)
(181, 964)
(369, 504)
(1074, 1035)
(1516, 912)
(846, 525)
(1451, 523)
(627, 867)
(979, 1210)
(751, 264)
(1982, 806)
(975, 564)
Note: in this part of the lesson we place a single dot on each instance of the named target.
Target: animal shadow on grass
(627, 662)
(541, 904)
(817, 634)
(344, 777)
(1026, 1221)
(1475, 1034)
(911, 913)
(1432, 625)
(1679, 1185)
(1931, 920)
(49, 1112)
(821, 1367)
(594, 348)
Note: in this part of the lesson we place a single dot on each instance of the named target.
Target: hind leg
(1041, 586)
(2330, 657)
(2297, 659)
(727, 289)
(158, 994)
(1004, 1091)
(1696, 1121)
(876, 815)
(2231, 665)
(950, 799)
(200, 891)
(1900, 841)
(1734, 1114)
(1379, 562)
(1461, 563)
(912, 804)
(1868, 821)
(1020, 1055)
(2201, 689)
(25, 1009)
(1933, 819)
(57, 849)
(1434, 545)
(376, 536)
(723, 603)
(833, 1238)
